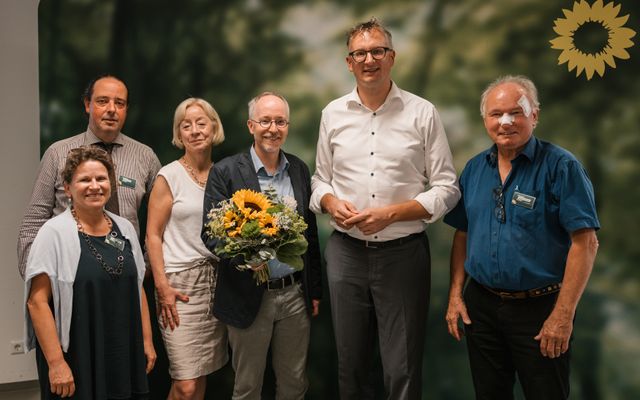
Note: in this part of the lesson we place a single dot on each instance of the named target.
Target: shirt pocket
(525, 226)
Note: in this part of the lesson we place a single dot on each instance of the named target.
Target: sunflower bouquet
(259, 227)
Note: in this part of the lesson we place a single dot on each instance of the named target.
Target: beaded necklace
(193, 172)
(113, 271)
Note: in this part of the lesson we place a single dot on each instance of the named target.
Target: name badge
(126, 182)
(523, 200)
(114, 241)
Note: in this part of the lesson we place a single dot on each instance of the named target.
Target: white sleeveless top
(181, 243)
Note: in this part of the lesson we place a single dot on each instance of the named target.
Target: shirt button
(374, 114)
(373, 195)
(373, 133)
(372, 174)
(372, 153)
(375, 237)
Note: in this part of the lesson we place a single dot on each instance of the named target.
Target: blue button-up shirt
(518, 234)
(281, 182)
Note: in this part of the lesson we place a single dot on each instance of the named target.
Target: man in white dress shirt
(383, 171)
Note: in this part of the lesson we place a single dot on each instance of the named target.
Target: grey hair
(368, 26)
(252, 102)
(525, 83)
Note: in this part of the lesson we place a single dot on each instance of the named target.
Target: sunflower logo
(591, 36)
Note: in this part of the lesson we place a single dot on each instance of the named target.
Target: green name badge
(523, 200)
(126, 182)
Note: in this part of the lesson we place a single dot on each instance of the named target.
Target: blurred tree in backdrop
(447, 51)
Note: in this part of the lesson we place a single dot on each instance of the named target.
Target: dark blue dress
(106, 353)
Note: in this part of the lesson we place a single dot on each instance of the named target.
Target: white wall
(19, 157)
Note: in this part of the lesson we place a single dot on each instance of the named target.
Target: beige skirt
(199, 345)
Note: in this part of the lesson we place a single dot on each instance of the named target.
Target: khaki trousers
(283, 324)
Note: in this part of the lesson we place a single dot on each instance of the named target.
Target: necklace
(113, 271)
(193, 172)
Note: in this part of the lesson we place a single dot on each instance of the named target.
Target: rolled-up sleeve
(443, 192)
(321, 179)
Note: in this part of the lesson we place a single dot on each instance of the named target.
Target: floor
(20, 391)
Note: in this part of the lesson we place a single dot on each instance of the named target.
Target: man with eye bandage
(522, 253)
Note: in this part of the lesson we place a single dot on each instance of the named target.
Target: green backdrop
(447, 51)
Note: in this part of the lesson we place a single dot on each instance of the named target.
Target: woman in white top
(183, 268)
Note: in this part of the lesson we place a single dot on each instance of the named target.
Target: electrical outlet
(17, 347)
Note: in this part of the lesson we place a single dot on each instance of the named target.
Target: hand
(61, 379)
(257, 267)
(315, 303)
(456, 309)
(167, 297)
(370, 220)
(555, 334)
(340, 210)
(150, 355)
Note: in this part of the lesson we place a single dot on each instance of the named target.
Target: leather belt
(285, 281)
(381, 245)
(524, 294)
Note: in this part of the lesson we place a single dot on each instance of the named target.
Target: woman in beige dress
(183, 268)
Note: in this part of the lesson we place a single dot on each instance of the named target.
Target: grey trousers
(383, 292)
(283, 324)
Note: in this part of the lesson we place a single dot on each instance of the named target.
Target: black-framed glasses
(499, 211)
(377, 53)
(266, 123)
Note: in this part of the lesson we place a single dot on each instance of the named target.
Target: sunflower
(268, 225)
(230, 219)
(598, 23)
(246, 199)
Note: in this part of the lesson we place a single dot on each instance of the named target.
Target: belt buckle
(273, 283)
(370, 245)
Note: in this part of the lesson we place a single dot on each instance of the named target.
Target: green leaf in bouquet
(294, 261)
(275, 208)
(250, 229)
(293, 248)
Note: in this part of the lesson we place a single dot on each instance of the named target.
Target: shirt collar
(258, 165)
(91, 138)
(395, 94)
(529, 151)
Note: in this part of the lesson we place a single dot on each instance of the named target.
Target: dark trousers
(501, 344)
(383, 292)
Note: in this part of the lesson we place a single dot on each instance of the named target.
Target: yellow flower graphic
(268, 225)
(253, 201)
(598, 20)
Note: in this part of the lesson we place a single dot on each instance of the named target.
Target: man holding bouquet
(277, 312)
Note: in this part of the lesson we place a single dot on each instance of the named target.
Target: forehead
(270, 105)
(110, 87)
(505, 95)
(90, 167)
(194, 111)
(368, 39)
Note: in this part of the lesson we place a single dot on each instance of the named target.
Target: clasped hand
(368, 221)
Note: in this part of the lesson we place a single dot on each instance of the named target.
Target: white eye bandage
(526, 106)
(506, 119)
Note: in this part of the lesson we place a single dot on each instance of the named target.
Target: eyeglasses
(377, 53)
(499, 211)
(266, 123)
